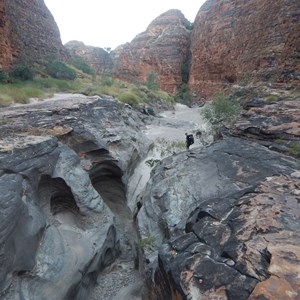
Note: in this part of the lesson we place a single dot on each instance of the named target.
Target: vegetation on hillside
(42, 81)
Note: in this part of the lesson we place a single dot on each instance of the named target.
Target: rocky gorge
(100, 200)
(217, 221)
(61, 188)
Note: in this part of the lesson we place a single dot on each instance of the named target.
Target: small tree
(107, 49)
(221, 111)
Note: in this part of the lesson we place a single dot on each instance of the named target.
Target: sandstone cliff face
(242, 41)
(7, 34)
(96, 57)
(162, 49)
(28, 33)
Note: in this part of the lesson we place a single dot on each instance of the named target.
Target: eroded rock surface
(64, 218)
(227, 216)
(271, 118)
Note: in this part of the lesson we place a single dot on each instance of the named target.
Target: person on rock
(189, 140)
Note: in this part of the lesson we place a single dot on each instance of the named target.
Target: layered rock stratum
(243, 42)
(229, 215)
(28, 33)
(162, 50)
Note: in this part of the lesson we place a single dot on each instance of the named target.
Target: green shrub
(65, 86)
(80, 64)
(5, 99)
(17, 95)
(148, 243)
(60, 70)
(184, 95)
(295, 149)
(107, 81)
(46, 83)
(165, 96)
(271, 98)
(21, 73)
(32, 92)
(19, 92)
(185, 71)
(278, 140)
(129, 98)
(189, 26)
(150, 111)
(222, 110)
(3, 76)
(56, 85)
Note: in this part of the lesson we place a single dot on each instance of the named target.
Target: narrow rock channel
(76, 184)
(83, 219)
(122, 280)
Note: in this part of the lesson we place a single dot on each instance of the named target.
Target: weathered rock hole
(57, 199)
(63, 201)
(106, 178)
(108, 257)
(230, 78)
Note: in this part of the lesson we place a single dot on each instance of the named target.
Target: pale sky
(111, 23)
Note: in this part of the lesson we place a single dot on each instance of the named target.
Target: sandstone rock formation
(48, 207)
(28, 33)
(162, 50)
(214, 223)
(96, 57)
(244, 41)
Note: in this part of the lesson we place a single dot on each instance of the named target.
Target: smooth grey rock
(56, 234)
(68, 168)
(75, 194)
(21, 227)
(216, 218)
(182, 182)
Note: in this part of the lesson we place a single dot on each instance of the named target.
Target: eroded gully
(122, 280)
